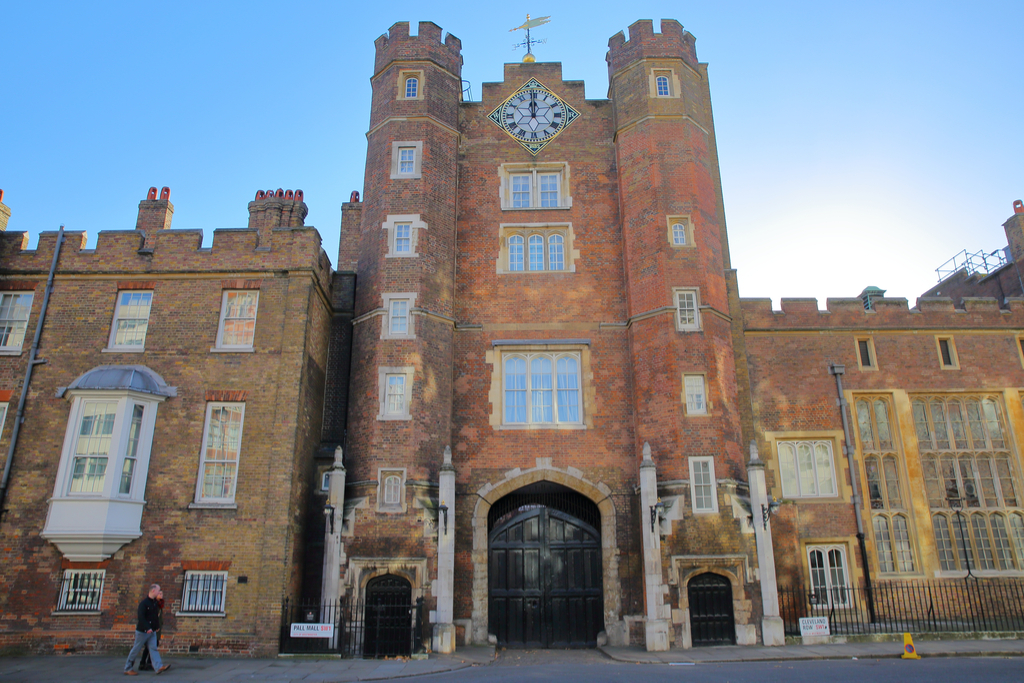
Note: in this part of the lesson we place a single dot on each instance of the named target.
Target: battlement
(887, 313)
(644, 43)
(124, 252)
(398, 45)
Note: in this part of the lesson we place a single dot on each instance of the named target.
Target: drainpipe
(838, 371)
(20, 416)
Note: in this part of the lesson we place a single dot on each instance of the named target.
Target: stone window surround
(404, 74)
(674, 88)
(570, 254)
(415, 225)
(687, 222)
(844, 492)
(561, 168)
(382, 474)
(707, 399)
(496, 395)
(417, 170)
(714, 486)
(953, 355)
(824, 545)
(382, 387)
(385, 332)
(871, 353)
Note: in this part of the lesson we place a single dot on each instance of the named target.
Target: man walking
(145, 633)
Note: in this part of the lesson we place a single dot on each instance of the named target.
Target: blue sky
(860, 143)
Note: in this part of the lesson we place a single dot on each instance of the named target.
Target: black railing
(360, 629)
(80, 591)
(927, 606)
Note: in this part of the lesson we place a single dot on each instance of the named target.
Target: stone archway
(599, 494)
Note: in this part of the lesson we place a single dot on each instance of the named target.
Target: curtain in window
(568, 390)
(515, 390)
(540, 388)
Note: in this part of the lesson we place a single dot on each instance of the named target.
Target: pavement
(68, 668)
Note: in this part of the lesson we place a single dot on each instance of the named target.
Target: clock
(533, 115)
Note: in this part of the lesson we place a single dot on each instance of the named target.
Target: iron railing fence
(361, 629)
(926, 606)
(80, 591)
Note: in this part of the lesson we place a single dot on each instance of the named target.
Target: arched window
(662, 85)
(556, 252)
(679, 234)
(412, 88)
(536, 252)
(515, 252)
(392, 490)
(828, 575)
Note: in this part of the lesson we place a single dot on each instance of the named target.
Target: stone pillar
(656, 626)
(771, 624)
(443, 641)
(330, 590)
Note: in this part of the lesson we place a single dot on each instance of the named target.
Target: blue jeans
(147, 640)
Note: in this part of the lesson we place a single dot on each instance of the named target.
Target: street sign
(312, 630)
(814, 626)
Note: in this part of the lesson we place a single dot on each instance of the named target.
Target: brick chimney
(348, 247)
(154, 214)
(281, 209)
(1014, 228)
(5, 213)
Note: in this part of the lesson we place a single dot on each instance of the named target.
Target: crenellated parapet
(888, 313)
(644, 43)
(398, 45)
(172, 251)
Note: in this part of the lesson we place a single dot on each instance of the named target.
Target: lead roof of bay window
(121, 377)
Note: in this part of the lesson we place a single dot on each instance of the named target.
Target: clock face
(533, 115)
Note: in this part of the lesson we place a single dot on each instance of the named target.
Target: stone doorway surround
(615, 628)
(737, 569)
(361, 569)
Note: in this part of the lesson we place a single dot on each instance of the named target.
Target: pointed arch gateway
(545, 565)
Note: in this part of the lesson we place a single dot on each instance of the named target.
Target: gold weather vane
(530, 42)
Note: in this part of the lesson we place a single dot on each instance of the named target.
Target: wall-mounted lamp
(329, 514)
(443, 509)
(657, 511)
(769, 510)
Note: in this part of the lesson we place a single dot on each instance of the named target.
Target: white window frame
(835, 594)
(396, 159)
(389, 301)
(383, 475)
(691, 407)
(68, 600)
(226, 295)
(192, 605)
(795, 445)
(402, 85)
(119, 306)
(415, 225)
(534, 171)
(3, 418)
(697, 463)
(219, 501)
(383, 373)
(7, 348)
(555, 422)
(677, 294)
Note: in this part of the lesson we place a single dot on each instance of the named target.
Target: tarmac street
(952, 660)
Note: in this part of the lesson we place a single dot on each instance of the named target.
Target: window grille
(81, 590)
(203, 592)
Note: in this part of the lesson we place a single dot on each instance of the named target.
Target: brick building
(561, 424)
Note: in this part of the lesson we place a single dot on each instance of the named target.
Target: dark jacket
(149, 615)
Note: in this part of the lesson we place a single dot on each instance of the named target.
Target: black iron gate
(388, 623)
(711, 615)
(545, 580)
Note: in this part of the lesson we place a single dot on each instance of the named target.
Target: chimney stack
(5, 213)
(154, 214)
(280, 209)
